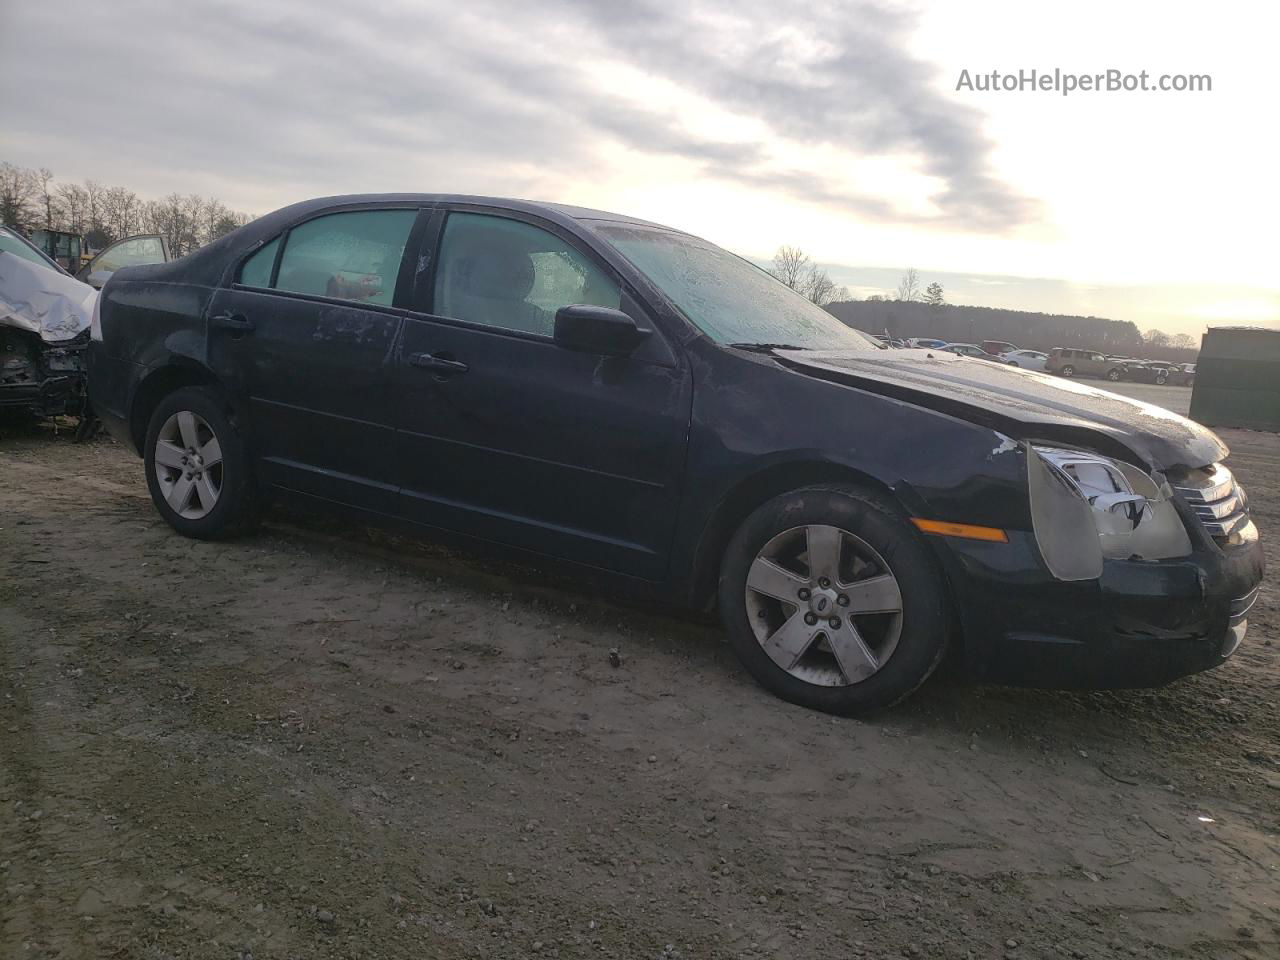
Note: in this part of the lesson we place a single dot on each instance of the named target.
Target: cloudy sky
(837, 127)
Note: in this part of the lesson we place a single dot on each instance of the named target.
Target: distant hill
(957, 324)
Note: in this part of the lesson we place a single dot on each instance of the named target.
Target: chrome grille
(1216, 499)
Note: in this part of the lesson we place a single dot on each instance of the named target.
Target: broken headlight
(1086, 507)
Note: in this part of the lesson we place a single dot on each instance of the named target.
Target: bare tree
(105, 214)
(933, 294)
(74, 203)
(1182, 341)
(1156, 338)
(791, 265)
(909, 285)
(44, 177)
(818, 286)
(121, 213)
(17, 191)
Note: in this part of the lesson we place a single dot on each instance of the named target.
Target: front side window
(347, 256)
(507, 274)
(729, 299)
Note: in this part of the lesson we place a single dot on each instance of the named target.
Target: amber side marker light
(968, 531)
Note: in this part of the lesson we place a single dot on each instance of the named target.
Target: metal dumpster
(1238, 379)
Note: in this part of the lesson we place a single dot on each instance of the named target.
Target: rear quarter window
(256, 271)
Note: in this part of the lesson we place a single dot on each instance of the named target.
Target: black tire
(1162, 379)
(926, 617)
(1013, 363)
(1113, 374)
(1068, 371)
(235, 510)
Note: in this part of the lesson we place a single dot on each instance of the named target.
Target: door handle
(438, 362)
(236, 322)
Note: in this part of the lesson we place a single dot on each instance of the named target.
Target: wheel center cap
(822, 602)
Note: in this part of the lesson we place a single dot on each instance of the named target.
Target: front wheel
(197, 467)
(1161, 379)
(1068, 371)
(832, 601)
(1113, 375)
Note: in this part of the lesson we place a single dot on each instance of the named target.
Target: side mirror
(599, 330)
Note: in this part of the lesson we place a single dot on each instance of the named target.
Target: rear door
(305, 338)
(507, 436)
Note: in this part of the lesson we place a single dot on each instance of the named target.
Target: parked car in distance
(998, 348)
(1071, 362)
(970, 350)
(1183, 374)
(1026, 359)
(1143, 371)
(634, 403)
(926, 342)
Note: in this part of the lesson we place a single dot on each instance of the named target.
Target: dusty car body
(665, 414)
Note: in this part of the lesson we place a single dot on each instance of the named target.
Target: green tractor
(67, 249)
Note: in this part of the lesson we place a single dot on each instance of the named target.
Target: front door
(305, 340)
(507, 436)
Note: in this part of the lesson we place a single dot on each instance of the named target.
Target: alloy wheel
(824, 605)
(188, 463)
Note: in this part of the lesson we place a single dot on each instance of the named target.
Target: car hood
(42, 300)
(1022, 403)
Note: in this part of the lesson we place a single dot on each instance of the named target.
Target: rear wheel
(197, 468)
(832, 601)
(1113, 374)
(1162, 378)
(1068, 371)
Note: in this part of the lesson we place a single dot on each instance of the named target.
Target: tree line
(915, 310)
(30, 199)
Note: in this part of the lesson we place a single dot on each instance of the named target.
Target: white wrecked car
(44, 321)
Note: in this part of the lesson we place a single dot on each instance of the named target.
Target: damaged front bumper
(1140, 624)
(41, 378)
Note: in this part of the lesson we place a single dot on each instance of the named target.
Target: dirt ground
(309, 745)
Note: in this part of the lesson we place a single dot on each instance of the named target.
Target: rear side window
(507, 274)
(256, 271)
(347, 256)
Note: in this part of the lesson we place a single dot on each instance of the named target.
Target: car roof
(553, 211)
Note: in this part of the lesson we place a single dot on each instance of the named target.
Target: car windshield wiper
(766, 347)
